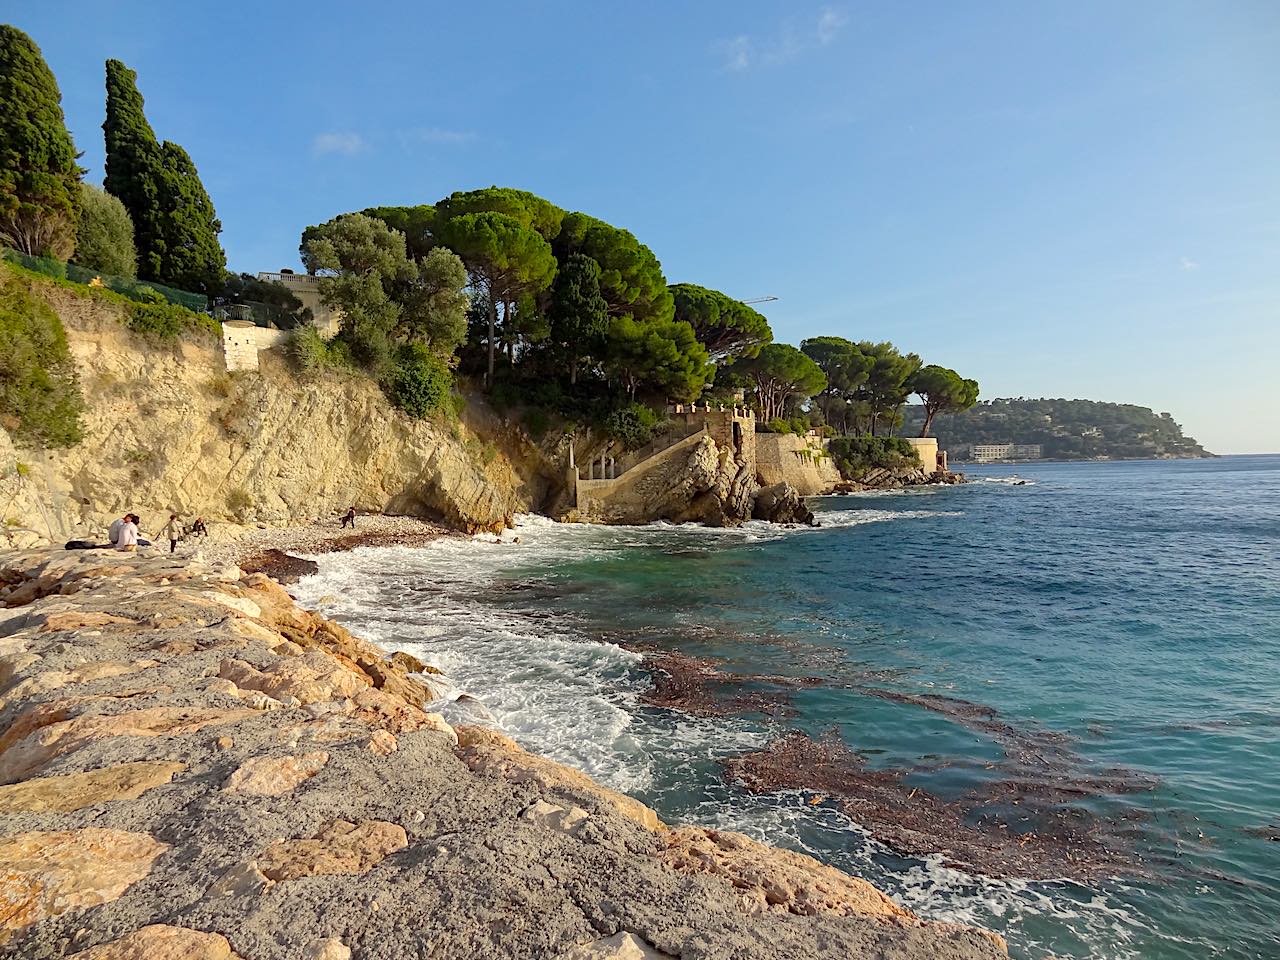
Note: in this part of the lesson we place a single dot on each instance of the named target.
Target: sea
(1074, 656)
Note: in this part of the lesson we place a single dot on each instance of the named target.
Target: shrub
(40, 401)
(633, 425)
(418, 381)
(104, 236)
(167, 321)
(854, 456)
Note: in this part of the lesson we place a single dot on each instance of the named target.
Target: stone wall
(800, 461)
(242, 341)
(927, 450)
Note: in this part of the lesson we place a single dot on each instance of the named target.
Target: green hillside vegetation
(1065, 429)
(40, 401)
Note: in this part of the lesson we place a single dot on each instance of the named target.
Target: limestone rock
(242, 880)
(621, 946)
(72, 791)
(57, 739)
(46, 873)
(781, 503)
(329, 949)
(767, 879)
(311, 677)
(382, 743)
(162, 942)
(274, 776)
(555, 817)
(79, 620)
(489, 752)
(339, 848)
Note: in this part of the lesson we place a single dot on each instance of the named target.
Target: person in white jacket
(128, 540)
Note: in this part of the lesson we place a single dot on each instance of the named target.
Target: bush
(40, 401)
(633, 425)
(104, 236)
(418, 381)
(168, 321)
(854, 456)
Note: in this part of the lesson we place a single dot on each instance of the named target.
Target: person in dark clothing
(173, 530)
(198, 529)
(349, 518)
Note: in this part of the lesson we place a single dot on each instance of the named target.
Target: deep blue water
(1126, 615)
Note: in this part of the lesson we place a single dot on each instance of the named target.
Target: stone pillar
(942, 462)
(613, 469)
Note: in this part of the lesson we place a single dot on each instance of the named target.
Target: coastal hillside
(1064, 429)
(165, 428)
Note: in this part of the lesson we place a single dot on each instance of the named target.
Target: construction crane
(759, 300)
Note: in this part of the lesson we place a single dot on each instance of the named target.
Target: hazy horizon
(1068, 201)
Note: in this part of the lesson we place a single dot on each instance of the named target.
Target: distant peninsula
(1060, 429)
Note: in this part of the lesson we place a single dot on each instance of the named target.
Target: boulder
(781, 503)
(621, 946)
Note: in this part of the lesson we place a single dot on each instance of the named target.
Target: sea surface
(1118, 621)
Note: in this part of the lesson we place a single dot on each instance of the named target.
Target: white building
(307, 289)
(991, 452)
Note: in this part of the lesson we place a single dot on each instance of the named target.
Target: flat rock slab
(72, 791)
(339, 847)
(162, 942)
(45, 873)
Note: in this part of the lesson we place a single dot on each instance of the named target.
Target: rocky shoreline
(195, 767)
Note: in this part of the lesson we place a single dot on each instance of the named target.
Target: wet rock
(339, 848)
(280, 566)
(781, 503)
(162, 942)
(72, 791)
(274, 776)
(772, 880)
(47, 873)
(489, 752)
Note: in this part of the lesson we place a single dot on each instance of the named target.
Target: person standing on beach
(173, 530)
(349, 518)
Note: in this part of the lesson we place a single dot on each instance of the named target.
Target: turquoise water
(1122, 620)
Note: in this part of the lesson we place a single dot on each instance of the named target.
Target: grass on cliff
(40, 401)
(150, 314)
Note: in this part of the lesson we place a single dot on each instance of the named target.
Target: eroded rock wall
(168, 429)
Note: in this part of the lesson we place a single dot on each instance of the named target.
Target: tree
(529, 209)
(386, 298)
(942, 390)
(631, 279)
(175, 226)
(40, 402)
(846, 368)
(728, 328)
(888, 381)
(660, 356)
(506, 260)
(414, 222)
(780, 372)
(39, 176)
(578, 313)
(435, 304)
(104, 236)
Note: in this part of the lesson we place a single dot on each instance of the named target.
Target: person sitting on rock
(113, 531)
(127, 538)
(173, 530)
(198, 529)
(349, 518)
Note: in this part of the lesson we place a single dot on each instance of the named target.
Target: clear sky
(1064, 199)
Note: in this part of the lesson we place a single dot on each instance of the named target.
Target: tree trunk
(928, 419)
(573, 372)
(493, 328)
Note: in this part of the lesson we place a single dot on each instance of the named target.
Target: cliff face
(168, 430)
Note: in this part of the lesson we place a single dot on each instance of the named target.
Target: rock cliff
(167, 429)
(193, 767)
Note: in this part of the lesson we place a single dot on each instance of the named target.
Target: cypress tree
(39, 176)
(175, 226)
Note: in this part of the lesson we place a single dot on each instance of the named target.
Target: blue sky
(1076, 199)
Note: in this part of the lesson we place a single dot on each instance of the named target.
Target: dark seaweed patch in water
(694, 685)
(1015, 829)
